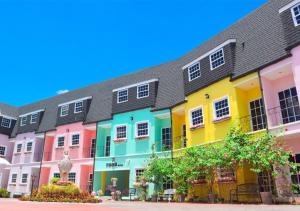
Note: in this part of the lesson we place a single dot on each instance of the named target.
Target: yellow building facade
(239, 94)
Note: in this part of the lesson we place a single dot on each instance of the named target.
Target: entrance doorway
(122, 183)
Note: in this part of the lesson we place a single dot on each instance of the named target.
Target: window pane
(194, 71)
(122, 96)
(289, 105)
(143, 91)
(217, 59)
(257, 115)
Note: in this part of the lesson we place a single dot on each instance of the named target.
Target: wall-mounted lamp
(131, 118)
(207, 96)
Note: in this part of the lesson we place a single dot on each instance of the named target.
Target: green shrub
(4, 193)
(54, 180)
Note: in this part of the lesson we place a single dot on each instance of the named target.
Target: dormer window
(78, 107)
(5, 122)
(296, 14)
(217, 59)
(34, 118)
(123, 96)
(23, 120)
(64, 110)
(143, 91)
(194, 71)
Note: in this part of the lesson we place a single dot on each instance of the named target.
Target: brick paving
(15, 205)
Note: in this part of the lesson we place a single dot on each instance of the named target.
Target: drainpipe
(41, 160)
(172, 157)
(263, 100)
(94, 162)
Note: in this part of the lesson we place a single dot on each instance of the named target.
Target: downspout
(94, 162)
(263, 100)
(41, 160)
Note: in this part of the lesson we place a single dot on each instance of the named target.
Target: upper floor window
(5, 122)
(75, 139)
(194, 71)
(34, 118)
(121, 132)
(123, 96)
(258, 117)
(166, 136)
(2, 151)
(78, 107)
(142, 129)
(64, 110)
(72, 177)
(143, 91)
(14, 178)
(23, 120)
(19, 148)
(296, 14)
(221, 108)
(29, 147)
(289, 105)
(217, 59)
(60, 141)
(24, 178)
(196, 117)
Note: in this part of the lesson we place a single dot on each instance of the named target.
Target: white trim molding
(133, 85)
(73, 101)
(288, 6)
(210, 52)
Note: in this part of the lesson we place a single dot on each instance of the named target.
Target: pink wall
(4, 141)
(296, 67)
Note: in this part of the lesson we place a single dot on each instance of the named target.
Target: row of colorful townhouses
(247, 75)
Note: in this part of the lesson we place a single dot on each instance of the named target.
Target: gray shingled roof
(263, 38)
(8, 110)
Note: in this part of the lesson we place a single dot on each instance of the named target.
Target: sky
(50, 46)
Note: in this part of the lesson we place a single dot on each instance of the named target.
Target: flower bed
(61, 193)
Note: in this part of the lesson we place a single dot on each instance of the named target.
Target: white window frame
(210, 58)
(294, 16)
(11, 178)
(214, 109)
(76, 107)
(31, 146)
(191, 119)
(5, 151)
(37, 116)
(116, 135)
(24, 183)
(189, 71)
(137, 91)
(64, 108)
(16, 149)
(57, 138)
(136, 129)
(71, 139)
(2, 122)
(118, 93)
(23, 118)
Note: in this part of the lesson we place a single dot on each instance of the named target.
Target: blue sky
(51, 45)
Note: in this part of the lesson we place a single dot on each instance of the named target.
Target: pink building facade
(26, 160)
(78, 141)
(6, 149)
(281, 89)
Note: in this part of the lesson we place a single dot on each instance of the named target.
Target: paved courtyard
(15, 205)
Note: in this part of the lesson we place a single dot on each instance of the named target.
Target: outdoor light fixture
(207, 96)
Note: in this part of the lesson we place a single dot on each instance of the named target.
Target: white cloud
(62, 91)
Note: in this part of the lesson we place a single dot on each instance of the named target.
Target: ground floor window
(72, 177)
(166, 138)
(226, 174)
(138, 174)
(56, 175)
(90, 183)
(14, 178)
(296, 175)
(167, 184)
(24, 178)
(266, 182)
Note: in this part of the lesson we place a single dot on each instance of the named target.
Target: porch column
(296, 67)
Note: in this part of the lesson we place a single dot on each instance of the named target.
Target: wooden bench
(168, 194)
(247, 189)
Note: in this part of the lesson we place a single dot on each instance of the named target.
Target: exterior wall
(79, 155)
(26, 162)
(239, 98)
(4, 173)
(132, 153)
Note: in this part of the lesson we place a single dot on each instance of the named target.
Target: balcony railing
(252, 124)
(278, 116)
